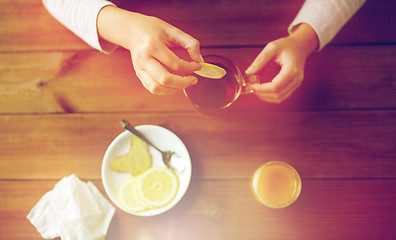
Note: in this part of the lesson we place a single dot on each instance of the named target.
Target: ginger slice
(137, 160)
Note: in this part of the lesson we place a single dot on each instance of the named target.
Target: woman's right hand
(149, 40)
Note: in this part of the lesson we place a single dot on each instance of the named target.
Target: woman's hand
(290, 53)
(149, 40)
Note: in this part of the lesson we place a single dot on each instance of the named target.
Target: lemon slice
(157, 187)
(128, 198)
(211, 71)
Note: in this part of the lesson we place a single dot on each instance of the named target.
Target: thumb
(189, 43)
(261, 60)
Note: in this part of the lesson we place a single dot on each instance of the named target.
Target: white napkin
(73, 210)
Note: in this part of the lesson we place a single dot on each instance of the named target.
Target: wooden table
(60, 104)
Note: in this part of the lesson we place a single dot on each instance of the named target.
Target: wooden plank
(349, 144)
(235, 23)
(371, 24)
(26, 24)
(88, 81)
(326, 209)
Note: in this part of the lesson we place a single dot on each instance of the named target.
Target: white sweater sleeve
(326, 17)
(80, 16)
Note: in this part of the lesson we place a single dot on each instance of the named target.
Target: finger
(153, 86)
(187, 42)
(268, 53)
(170, 60)
(282, 95)
(162, 76)
(280, 81)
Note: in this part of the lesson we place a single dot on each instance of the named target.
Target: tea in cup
(219, 93)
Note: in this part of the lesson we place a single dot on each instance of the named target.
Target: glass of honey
(276, 184)
(219, 93)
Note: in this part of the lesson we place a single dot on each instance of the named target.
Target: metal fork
(166, 155)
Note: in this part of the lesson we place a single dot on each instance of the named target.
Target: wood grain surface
(27, 26)
(231, 145)
(61, 103)
(326, 209)
(357, 77)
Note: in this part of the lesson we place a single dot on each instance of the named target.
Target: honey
(276, 184)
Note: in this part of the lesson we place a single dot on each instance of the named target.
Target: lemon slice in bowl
(127, 195)
(212, 71)
(157, 187)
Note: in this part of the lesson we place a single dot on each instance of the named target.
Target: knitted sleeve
(326, 17)
(80, 16)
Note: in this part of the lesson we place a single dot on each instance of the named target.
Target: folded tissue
(73, 210)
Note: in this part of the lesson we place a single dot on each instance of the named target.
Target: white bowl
(164, 140)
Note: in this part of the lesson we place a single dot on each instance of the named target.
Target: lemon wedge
(128, 198)
(157, 187)
(212, 71)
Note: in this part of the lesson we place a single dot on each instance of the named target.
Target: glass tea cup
(276, 184)
(219, 93)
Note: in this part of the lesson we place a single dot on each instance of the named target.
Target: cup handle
(248, 80)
